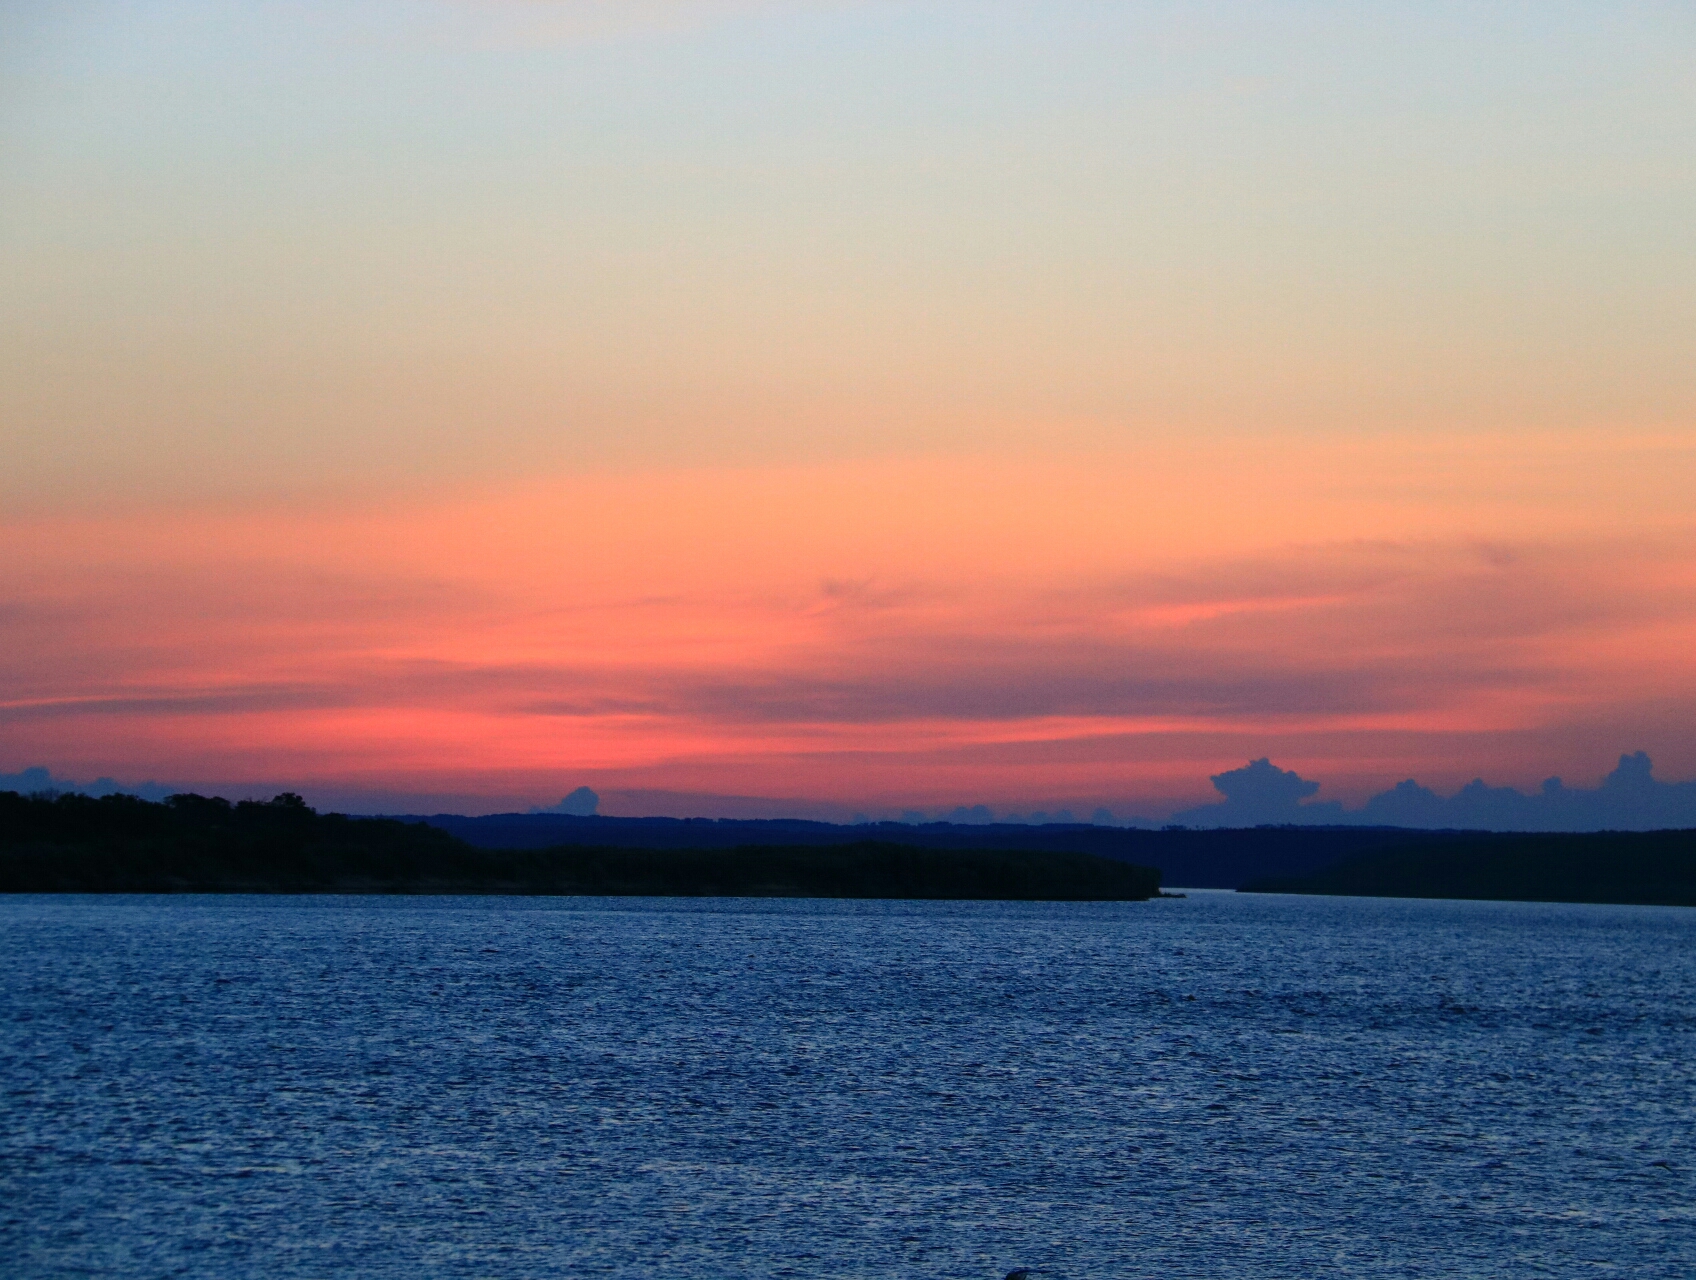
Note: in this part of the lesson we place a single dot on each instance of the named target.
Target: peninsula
(195, 844)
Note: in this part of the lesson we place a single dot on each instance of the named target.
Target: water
(1216, 1087)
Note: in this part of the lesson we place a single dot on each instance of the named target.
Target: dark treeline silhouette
(118, 843)
(1222, 858)
(1647, 867)
(188, 843)
(1202, 859)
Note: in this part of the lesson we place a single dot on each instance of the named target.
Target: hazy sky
(902, 404)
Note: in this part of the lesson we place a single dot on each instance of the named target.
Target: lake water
(1221, 1086)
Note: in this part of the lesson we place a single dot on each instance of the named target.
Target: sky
(820, 407)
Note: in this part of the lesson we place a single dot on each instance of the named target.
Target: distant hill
(119, 844)
(1652, 868)
(1219, 858)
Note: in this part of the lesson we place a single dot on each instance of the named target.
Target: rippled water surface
(1216, 1087)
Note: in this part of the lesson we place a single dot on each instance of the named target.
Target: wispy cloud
(935, 634)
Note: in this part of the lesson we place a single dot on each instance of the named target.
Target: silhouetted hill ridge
(1221, 858)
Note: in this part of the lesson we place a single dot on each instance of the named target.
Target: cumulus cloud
(1257, 793)
(38, 779)
(581, 803)
(1260, 792)
(1630, 798)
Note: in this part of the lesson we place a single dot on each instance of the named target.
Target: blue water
(1220, 1086)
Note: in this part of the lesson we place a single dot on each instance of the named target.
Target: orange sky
(1055, 630)
(844, 406)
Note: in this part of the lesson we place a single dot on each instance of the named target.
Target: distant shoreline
(192, 844)
(1622, 868)
(866, 871)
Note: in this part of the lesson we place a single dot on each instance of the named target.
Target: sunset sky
(811, 408)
